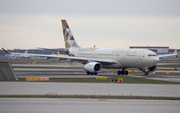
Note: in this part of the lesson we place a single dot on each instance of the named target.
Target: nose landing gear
(146, 73)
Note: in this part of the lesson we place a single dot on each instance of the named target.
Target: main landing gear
(89, 73)
(122, 72)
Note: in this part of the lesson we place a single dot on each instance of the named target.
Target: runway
(59, 105)
(60, 88)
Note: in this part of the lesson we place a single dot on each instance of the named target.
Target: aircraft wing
(80, 59)
(161, 56)
(165, 55)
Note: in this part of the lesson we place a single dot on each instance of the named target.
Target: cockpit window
(150, 55)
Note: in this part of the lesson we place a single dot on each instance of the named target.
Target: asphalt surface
(54, 105)
(80, 73)
(60, 88)
(28, 71)
(62, 73)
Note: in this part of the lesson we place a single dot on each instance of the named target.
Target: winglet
(5, 50)
(175, 51)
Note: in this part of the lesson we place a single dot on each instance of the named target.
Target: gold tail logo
(68, 36)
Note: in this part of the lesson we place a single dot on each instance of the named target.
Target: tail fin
(26, 51)
(68, 36)
(58, 53)
(175, 51)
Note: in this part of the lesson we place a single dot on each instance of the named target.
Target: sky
(27, 24)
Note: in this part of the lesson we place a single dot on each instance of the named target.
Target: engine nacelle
(152, 69)
(93, 67)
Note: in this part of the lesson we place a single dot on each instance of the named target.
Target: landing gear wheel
(126, 72)
(92, 73)
(118, 72)
(122, 72)
(146, 73)
(95, 73)
(88, 73)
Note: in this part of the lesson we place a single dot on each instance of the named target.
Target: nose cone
(155, 60)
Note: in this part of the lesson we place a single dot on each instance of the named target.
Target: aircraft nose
(156, 60)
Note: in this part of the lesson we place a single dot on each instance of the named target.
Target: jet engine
(152, 69)
(93, 67)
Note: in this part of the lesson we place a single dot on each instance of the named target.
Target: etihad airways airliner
(94, 59)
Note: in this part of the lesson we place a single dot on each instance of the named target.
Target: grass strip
(108, 80)
(91, 97)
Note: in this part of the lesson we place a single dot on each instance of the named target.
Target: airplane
(61, 54)
(94, 59)
(58, 53)
(15, 55)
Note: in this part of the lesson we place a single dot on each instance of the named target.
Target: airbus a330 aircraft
(112, 58)
(15, 55)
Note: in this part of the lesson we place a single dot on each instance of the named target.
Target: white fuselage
(127, 58)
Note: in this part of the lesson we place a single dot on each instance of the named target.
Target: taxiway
(54, 105)
(60, 88)
(80, 73)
